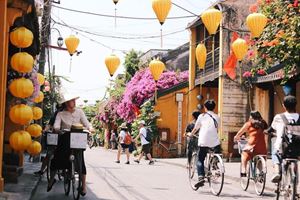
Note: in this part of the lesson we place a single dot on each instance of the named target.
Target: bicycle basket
(241, 145)
(52, 139)
(78, 140)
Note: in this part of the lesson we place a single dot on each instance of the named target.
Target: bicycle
(287, 187)
(214, 171)
(256, 170)
(73, 175)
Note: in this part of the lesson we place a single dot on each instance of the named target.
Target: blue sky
(89, 75)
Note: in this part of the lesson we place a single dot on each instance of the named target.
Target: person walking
(207, 125)
(113, 140)
(122, 143)
(145, 144)
(256, 144)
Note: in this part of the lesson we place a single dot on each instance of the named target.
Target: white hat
(68, 97)
(123, 125)
(142, 122)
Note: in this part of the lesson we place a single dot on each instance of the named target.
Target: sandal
(51, 185)
(243, 175)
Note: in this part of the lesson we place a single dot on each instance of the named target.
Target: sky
(89, 76)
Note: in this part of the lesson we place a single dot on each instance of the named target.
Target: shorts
(124, 146)
(146, 148)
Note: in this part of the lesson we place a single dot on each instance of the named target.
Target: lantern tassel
(161, 38)
(213, 51)
(70, 68)
(115, 15)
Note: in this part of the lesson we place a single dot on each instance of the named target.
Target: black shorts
(146, 148)
(124, 146)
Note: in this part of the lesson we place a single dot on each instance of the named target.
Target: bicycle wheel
(215, 174)
(77, 176)
(48, 168)
(244, 181)
(260, 171)
(192, 171)
(277, 191)
(290, 182)
(67, 181)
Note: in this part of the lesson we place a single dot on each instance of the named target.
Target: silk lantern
(34, 130)
(37, 113)
(21, 37)
(240, 48)
(201, 55)
(156, 68)
(22, 62)
(112, 63)
(21, 88)
(72, 43)
(39, 98)
(34, 148)
(161, 9)
(19, 140)
(21, 114)
(256, 23)
(211, 19)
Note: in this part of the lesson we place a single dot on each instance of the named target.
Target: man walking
(208, 137)
(145, 144)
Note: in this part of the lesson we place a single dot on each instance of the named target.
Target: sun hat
(142, 122)
(68, 97)
(123, 125)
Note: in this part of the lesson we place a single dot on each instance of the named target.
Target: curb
(233, 178)
(35, 188)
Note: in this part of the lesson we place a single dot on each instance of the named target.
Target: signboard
(179, 126)
(164, 136)
(271, 77)
(78, 140)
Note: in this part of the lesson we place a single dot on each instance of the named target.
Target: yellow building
(13, 13)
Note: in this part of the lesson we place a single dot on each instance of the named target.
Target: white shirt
(143, 135)
(278, 125)
(122, 136)
(208, 133)
(65, 119)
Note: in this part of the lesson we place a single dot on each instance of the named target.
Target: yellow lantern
(21, 114)
(41, 79)
(37, 113)
(34, 148)
(161, 9)
(115, 1)
(211, 19)
(240, 48)
(21, 88)
(112, 63)
(156, 67)
(22, 62)
(21, 37)
(256, 23)
(201, 55)
(39, 98)
(34, 130)
(19, 140)
(72, 43)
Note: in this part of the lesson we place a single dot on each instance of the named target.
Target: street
(110, 181)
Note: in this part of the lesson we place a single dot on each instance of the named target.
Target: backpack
(127, 139)
(148, 137)
(291, 138)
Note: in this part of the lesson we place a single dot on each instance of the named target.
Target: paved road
(110, 181)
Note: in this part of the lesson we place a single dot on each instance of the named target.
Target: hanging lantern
(19, 140)
(156, 68)
(21, 114)
(112, 63)
(34, 130)
(201, 55)
(211, 19)
(37, 113)
(22, 62)
(39, 98)
(21, 37)
(240, 48)
(161, 9)
(115, 1)
(21, 88)
(34, 148)
(72, 43)
(41, 78)
(256, 23)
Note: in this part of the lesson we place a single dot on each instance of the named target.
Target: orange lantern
(37, 113)
(34, 130)
(21, 114)
(211, 19)
(112, 63)
(22, 62)
(21, 88)
(41, 78)
(34, 148)
(256, 23)
(201, 55)
(39, 98)
(72, 43)
(161, 9)
(240, 48)
(19, 140)
(21, 37)
(156, 67)
(115, 1)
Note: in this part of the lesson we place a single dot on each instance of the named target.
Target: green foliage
(131, 64)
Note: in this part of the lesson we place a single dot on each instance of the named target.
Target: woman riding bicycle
(64, 120)
(256, 144)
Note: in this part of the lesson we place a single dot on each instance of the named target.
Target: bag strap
(215, 121)
(284, 119)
